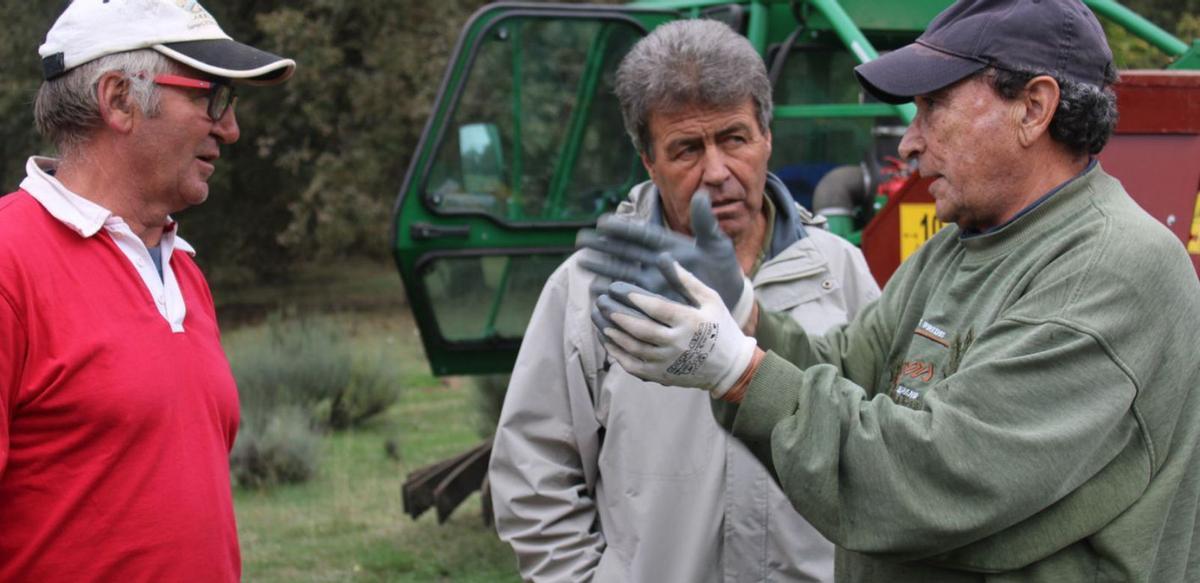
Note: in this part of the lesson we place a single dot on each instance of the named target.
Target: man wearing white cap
(117, 405)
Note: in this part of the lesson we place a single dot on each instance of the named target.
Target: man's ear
(1039, 102)
(116, 102)
(648, 165)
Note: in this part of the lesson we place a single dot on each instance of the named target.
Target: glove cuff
(737, 366)
(745, 305)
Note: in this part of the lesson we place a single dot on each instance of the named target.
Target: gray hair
(67, 108)
(1086, 115)
(685, 63)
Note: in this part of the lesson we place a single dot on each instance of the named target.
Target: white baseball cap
(180, 29)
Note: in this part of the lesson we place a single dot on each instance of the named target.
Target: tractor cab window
(537, 136)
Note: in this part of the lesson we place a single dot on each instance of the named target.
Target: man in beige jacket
(594, 474)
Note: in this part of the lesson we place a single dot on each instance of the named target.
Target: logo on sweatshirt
(927, 330)
(906, 397)
(911, 379)
(917, 370)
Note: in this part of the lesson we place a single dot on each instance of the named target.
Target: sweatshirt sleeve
(858, 349)
(546, 449)
(994, 471)
(862, 361)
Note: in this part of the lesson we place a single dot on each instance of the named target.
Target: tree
(327, 151)
(20, 74)
(322, 157)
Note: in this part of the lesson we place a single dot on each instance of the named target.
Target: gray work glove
(627, 251)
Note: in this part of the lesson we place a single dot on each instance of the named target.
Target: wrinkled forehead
(694, 113)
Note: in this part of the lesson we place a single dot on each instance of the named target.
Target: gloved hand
(628, 251)
(656, 339)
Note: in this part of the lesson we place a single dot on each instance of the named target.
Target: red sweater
(114, 432)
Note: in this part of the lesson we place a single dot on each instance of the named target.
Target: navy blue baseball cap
(1061, 38)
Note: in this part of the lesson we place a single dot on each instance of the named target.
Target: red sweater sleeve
(12, 358)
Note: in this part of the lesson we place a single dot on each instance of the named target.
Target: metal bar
(757, 30)
(466, 478)
(678, 4)
(514, 210)
(417, 492)
(834, 110)
(858, 44)
(489, 327)
(1135, 23)
(560, 183)
(843, 226)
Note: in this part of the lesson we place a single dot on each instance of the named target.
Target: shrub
(299, 375)
(369, 392)
(310, 356)
(308, 363)
(489, 399)
(274, 447)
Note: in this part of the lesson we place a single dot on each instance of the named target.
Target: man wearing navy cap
(1023, 402)
(117, 405)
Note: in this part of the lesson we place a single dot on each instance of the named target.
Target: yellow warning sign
(918, 222)
(1194, 240)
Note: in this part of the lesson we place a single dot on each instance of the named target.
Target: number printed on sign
(918, 223)
(1193, 245)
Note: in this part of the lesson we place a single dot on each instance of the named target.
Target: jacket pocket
(782, 296)
(815, 300)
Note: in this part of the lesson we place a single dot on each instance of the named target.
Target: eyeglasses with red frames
(221, 95)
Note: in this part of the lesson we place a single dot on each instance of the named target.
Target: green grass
(347, 523)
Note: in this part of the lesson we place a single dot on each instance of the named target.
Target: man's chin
(733, 226)
(195, 195)
(944, 210)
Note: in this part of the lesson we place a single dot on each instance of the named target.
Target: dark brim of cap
(915, 69)
(231, 59)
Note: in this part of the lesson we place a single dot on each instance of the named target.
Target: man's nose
(716, 167)
(913, 143)
(226, 129)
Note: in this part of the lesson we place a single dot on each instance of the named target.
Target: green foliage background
(322, 157)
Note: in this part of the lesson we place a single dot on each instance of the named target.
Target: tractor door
(524, 146)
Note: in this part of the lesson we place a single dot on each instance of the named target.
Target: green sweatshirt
(1022, 405)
